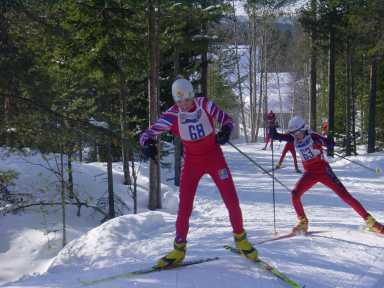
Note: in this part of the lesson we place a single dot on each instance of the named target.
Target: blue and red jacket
(199, 143)
(310, 148)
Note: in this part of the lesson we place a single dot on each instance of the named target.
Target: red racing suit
(317, 170)
(291, 148)
(271, 122)
(202, 155)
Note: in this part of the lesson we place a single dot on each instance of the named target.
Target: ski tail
(290, 235)
(267, 267)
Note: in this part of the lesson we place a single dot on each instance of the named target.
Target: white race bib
(305, 148)
(194, 125)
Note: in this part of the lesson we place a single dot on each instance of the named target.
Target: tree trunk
(111, 200)
(242, 108)
(353, 99)
(372, 107)
(204, 56)
(255, 58)
(253, 74)
(153, 38)
(312, 112)
(7, 48)
(280, 98)
(177, 141)
(70, 175)
(178, 153)
(251, 102)
(265, 101)
(80, 150)
(123, 127)
(331, 88)
(134, 192)
(261, 69)
(305, 96)
(242, 104)
(348, 104)
(204, 69)
(62, 193)
(97, 151)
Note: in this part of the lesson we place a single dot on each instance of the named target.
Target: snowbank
(32, 238)
(110, 243)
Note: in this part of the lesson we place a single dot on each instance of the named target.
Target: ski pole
(273, 189)
(258, 165)
(377, 170)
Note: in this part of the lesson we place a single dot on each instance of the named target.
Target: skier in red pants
(291, 148)
(309, 145)
(271, 122)
(193, 120)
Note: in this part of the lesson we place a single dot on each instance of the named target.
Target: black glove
(150, 149)
(223, 136)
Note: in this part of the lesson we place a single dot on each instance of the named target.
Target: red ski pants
(325, 176)
(194, 168)
(291, 148)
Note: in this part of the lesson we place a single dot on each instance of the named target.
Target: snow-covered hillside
(32, 238)
(344, 255)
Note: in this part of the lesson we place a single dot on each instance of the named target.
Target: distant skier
(193, 120)
(324, 127)
(271, 122)
(309, 145)
(291, 148)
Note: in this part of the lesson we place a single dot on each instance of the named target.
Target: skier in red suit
(291, 148)
(271, 122)
(316, 169)
(324, 128)
(193, 120)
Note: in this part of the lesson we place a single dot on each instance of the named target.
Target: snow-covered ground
(343, 256)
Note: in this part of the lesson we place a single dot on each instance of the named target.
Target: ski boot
(278, 166)
(374, 226)
(301, 227)
(245, 247)
(176, 256)
(298, 170)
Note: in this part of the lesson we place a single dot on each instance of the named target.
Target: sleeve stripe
(159, 124)
(165, 121)
(219, 115)
(163, 124)
(210, 104)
